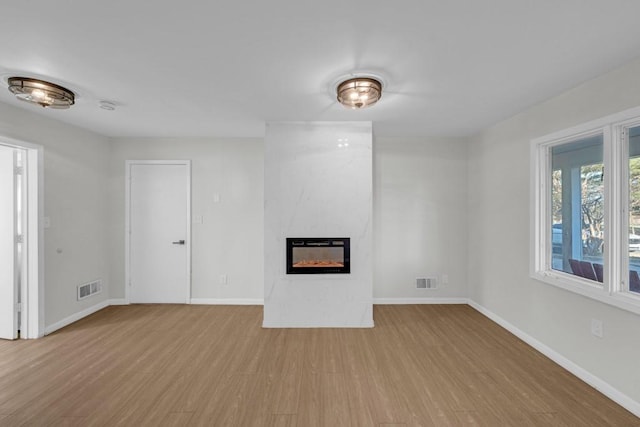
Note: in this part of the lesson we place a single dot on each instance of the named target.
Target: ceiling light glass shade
(39, 92)
(359, 92)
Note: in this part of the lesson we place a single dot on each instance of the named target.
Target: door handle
(179, 242)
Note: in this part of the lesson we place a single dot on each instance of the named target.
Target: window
(586, 197)
(633, 149)
(577, 207)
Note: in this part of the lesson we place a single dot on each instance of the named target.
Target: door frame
(32, 287)
(127, 227)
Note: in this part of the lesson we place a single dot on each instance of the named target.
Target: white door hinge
(19, 238)
(18, 170)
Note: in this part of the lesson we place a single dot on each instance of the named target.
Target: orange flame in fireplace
(318, 263)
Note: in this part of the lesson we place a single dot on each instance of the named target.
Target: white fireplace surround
(318, 183)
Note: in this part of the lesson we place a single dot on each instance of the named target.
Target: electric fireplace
(318, 256)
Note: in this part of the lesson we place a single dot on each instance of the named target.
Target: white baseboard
(227, 301)
(391, 301)
(313, 325)
(75, 317)
(118, 301)
(595, 382)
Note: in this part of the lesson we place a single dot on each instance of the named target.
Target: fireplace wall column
(318, 183)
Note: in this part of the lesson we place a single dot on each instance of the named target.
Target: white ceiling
(223, 68)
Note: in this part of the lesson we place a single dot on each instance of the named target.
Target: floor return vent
(426, 283)
(88, 289)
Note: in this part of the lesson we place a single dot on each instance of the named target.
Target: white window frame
(613, 290)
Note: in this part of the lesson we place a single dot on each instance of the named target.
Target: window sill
(584, 287)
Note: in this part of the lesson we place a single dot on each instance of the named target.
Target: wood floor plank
(184, 365)
(284, 393)
(282, 420)
(373, 401)
(324, 400)
(69, 422)
(240, 401)
(322, 351)
(282, 351)
(173, 419)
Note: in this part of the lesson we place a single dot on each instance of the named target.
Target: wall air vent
(427, 283)
(88, 289)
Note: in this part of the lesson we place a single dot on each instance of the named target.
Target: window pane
(577, 208)
(634, 209)
(556, 218)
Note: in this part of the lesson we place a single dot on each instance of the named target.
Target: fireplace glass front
(318, 256)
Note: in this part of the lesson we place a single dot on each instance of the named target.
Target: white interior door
(159, 232)
(8, 284)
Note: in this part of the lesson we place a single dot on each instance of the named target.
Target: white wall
(419, 213)
(229, 241)
(420, 217)
(75, 177)
(498, 252)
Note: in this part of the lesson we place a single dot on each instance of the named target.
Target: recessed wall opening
(21, 251)
(318, 255)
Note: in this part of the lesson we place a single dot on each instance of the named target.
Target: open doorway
(21, 292)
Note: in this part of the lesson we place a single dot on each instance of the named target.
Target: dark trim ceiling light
(359, 92)
(45, 94)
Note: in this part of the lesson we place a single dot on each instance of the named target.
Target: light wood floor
(172, 365)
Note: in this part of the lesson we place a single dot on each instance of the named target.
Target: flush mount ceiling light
(39, 92)
(359, 92)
